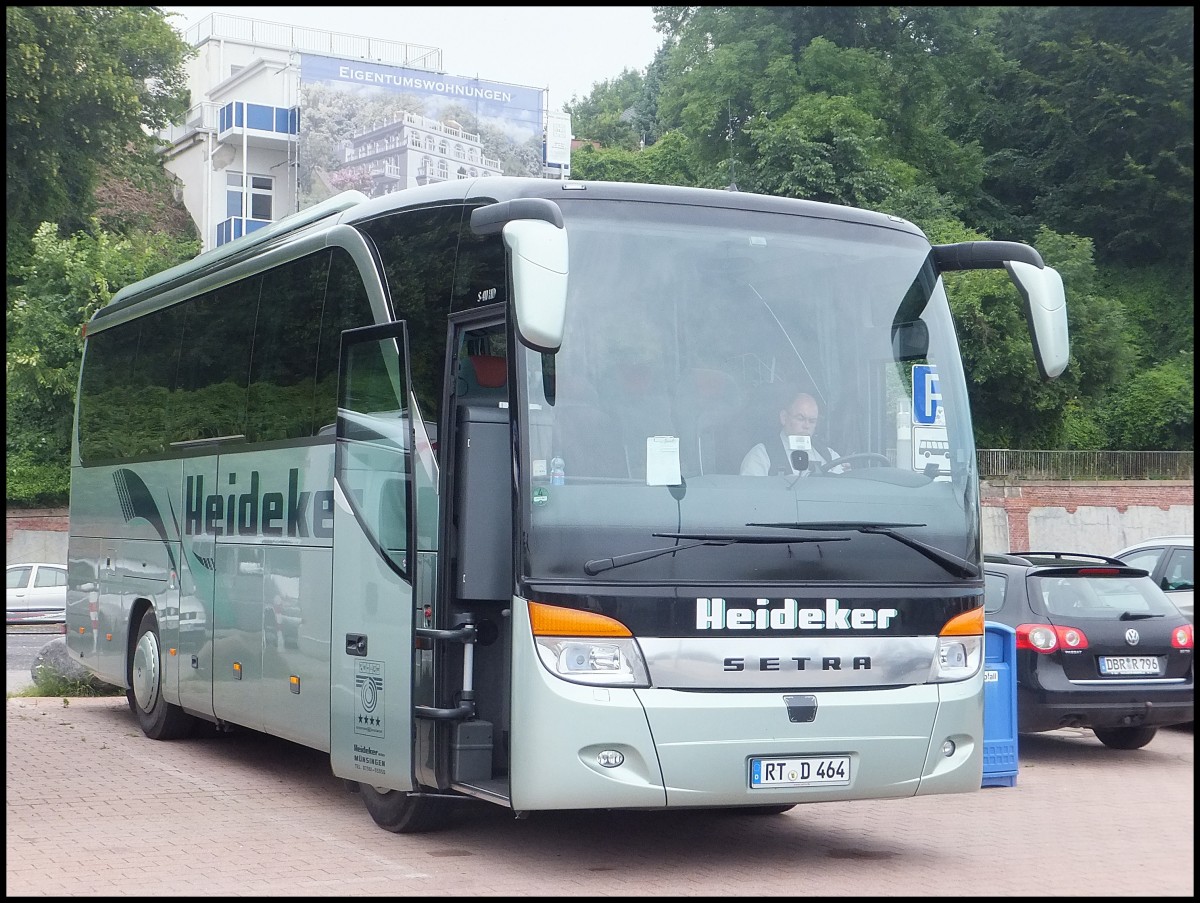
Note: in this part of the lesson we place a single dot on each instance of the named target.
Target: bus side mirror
(537, 244)
(538, 256)
(1045, 300)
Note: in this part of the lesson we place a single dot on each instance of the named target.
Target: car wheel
(1125, 737)
(159, 719)
(405, 813)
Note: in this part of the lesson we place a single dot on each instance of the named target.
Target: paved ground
(95, 808)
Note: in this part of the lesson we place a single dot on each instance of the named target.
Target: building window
(262, 190)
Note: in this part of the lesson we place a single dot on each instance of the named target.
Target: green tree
(1155, 409)
(1094, 132)
(609, 114)
(84, 84)
(63, 283)
(668, 162)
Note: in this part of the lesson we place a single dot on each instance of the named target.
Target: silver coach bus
(448, 484)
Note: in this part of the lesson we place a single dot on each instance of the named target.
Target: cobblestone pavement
(95, 808)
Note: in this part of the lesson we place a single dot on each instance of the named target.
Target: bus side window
(214, 368)
(284, 357)
(345, 306)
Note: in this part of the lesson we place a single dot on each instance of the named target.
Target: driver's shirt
(757, 462)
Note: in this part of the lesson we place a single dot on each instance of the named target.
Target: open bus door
(374, 565)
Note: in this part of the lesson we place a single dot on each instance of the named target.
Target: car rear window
(1101, 598)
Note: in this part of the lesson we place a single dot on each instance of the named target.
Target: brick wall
(1101, 516)
(52, 520)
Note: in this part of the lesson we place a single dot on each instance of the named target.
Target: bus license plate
(1129, 664)
(802, 771)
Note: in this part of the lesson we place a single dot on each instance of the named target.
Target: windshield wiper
(597, 565)
(959, 567)
(1138, 615)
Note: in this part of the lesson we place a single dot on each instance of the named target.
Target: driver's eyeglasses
(801, 418)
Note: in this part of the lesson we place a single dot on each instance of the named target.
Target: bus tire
(404, 813)
(158, 719)
(1125, 737)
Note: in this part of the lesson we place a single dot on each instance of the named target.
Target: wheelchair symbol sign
(927, 407)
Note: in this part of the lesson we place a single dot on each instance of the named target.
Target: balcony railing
(235, 227)
(1015, 464)
(314, 40)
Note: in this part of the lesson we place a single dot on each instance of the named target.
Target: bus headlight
(958, 657)
(607, 662)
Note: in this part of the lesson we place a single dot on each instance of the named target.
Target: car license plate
(1129, 664)
(800, 771)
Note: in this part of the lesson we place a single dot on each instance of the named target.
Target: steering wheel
(872, 457)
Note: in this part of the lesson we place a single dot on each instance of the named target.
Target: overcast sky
(566, 49)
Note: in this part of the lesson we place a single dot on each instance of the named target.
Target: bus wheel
(404, 813)
(158, 719)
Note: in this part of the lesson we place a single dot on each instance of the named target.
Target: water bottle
(558, 472)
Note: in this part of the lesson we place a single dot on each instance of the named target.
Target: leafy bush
(37, 484)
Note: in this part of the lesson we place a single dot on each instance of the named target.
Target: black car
(1099, 645)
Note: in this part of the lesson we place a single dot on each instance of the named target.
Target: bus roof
(354, 206)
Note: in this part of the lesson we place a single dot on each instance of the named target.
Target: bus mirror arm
(467, 635)
(1041, 289)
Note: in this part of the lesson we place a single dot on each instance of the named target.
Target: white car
(36, 592)
(1169, 561)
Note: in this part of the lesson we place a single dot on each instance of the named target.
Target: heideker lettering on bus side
(252, 514)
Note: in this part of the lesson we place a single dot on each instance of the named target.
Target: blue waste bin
(999, 705)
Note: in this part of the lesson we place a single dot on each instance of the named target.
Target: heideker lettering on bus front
(712, 614)
(252, 514)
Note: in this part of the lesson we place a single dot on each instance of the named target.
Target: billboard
(378, 128)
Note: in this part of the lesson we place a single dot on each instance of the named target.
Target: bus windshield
(744, 377)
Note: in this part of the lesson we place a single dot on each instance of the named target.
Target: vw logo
(1131, 637)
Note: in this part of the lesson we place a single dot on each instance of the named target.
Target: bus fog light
(948, 748)
(609, 758)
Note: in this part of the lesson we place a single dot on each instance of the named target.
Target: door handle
(356, 644)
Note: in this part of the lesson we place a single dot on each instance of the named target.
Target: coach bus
(446, 483)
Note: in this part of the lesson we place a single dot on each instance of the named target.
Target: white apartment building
(249, 151)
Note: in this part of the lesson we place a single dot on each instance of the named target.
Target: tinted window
(104, 393)
(1103, 598)
(16, 578)
(418, 250)
(283, 363)
(346, 307)
(146, 408)
(223, 364)
(214, 369)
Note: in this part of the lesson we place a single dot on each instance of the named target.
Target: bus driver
(781, 453)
